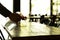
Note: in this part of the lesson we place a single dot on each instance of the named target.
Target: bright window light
(41, 7)
(25, 7)
(8, 4)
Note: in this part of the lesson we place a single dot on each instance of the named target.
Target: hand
(15, 17)
(23, 17)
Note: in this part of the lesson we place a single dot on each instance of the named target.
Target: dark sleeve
(3, 11)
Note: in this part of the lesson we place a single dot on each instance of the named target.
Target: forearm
(3, 11)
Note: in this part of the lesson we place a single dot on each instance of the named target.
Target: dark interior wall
(16, 5)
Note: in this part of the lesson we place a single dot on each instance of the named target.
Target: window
(25, 7)
(41, 7)
(56, 7)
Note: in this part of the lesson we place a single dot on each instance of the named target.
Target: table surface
(32, 29)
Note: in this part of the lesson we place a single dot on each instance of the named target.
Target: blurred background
(43, 18)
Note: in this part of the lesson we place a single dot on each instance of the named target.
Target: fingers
(15, 17)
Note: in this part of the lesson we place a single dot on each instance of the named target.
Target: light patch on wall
(59, 9)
